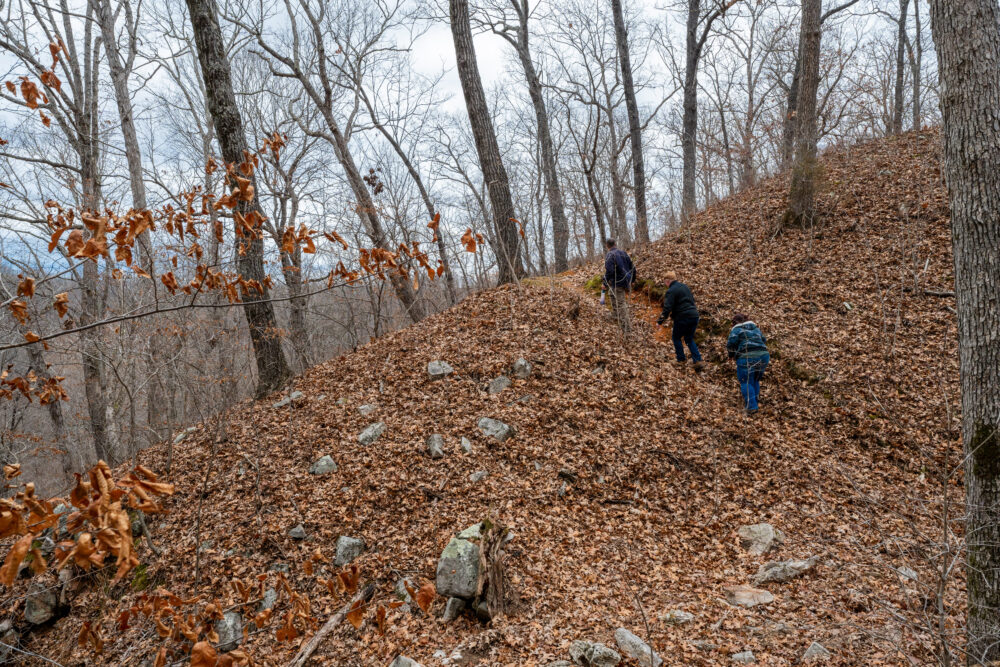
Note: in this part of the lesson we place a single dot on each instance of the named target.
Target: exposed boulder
(41, 604)
(466, 444)
(367, 409)
(458, 568)
(323, 466)
(521, 369)
(632, 646)
(372, 433)
(816, 653)
(494, 428)
(230, 630)
(478, 476)
(295, 399)
(403, 661)
(747, 596)
(435, 446)
(497, 385)
(593, 654)
(760, 538)
(783, 570)
(676, 617)
(743, 657)
(297, 532)
(439, 369)
(348, 548)
(452, 609)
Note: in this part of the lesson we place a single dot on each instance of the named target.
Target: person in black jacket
(619, 274)
(679, 304)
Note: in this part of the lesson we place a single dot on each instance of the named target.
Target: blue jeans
(750, 372)
(684, 330)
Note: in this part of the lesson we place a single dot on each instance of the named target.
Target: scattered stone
(348, 548)
(269, 599)
(63, 511)
(593, 654)
(483, 612)
(783, 570)
(367, 409)
(478, 476)
(562, 490)
(439, 369)
(452, 609)
(743, 657)
(297, 532)
(538, 465)
(403, 661)
(907, 573)
(527, 398)
(323, 466)
(458, 568)
(9, 636)
(497, 385)
(521, 369)
(747, 596)
(494, 428)
(676, 617)
(435, 446)
(636, 649)
(279, 567)
(816, 653)
(466, 444)
(205, 546)
(41, 603)
(560, 663)
(401, 592)
(230, 630)
(760, 538)
(184, 434)
(473, 532)
(294, 399)
(372, 433)
(342, 401)
(704, 645)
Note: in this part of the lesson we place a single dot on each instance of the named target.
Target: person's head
(740, 318)
(610, 243)
(671, 277)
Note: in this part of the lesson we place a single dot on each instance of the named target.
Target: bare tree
(501, 203)
(968, 49)
(804, 171)
(901, 39)
(272, 368)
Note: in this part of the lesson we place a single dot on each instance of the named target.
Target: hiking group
(746, 343)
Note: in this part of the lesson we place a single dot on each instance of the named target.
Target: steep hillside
(660, 466)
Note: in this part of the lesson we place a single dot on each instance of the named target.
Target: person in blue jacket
(747, 345)
(619, 275)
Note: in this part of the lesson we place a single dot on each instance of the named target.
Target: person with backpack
(747, 345)
(678, 303)
(619, 275)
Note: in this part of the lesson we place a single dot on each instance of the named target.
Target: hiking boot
(699, 366)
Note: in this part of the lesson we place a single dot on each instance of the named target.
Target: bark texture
(897, 105)
(501, 203)
(801, 204)
(968, 48)
(272, 368)
(689, 120)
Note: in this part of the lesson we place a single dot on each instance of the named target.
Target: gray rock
(637, 649)
(521, 369)
(458, 568)
(230, 629)
(560, 663)
(63, 511)
(907, 573)
(473, 532)
(184, 434)
(9, 636)
(400, 589)
(478, 476)
(372, 433)
(704, 645)
(342, 401)
(41, 603)
(269, 599)
(483, 612)
(279, 567)
(435, 446)
(439, 369)
(294, 399)
(494, 428)
(816, 653)
(563, 489)
(760, 538)
(403, 661)
(676, 617)
(498, 384)
(466, 444)
(747, 596)
(452, 609)
(783, 570)
(323, 466)
(593, 654)
(367, 409)
(743, 657)
(297, 532)
(348, 548)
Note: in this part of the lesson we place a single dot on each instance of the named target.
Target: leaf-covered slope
(858, 418)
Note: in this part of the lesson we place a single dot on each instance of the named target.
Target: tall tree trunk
(272, 368)
(916, 63)
(791, 113)
(968, 49)
(155, 404)
(897, 107)
(689, 121)
(635, 130)
(501, 203)
(557, 210)
(801, 196)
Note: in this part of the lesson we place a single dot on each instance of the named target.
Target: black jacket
(678, 303)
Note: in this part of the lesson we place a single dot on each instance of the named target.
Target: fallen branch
(310, 647)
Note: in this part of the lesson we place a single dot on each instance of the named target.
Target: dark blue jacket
(746, 342)
(618, 269)
(678, 303)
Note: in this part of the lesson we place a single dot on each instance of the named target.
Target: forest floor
(852, 455)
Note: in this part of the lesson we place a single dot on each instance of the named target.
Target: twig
(310, 647)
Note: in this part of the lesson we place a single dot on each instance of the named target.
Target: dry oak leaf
(203, 655)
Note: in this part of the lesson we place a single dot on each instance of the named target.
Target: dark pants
(684, 330)
(750, 372)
